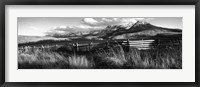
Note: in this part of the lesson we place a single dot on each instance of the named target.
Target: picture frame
(98, 2)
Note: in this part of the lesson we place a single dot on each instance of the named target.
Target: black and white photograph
(99, 42)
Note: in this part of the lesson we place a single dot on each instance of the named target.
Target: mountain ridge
(129, 31)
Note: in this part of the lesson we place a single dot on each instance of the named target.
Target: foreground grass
(104, 58)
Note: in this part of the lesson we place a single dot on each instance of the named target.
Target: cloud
(61, 30)
(88, 24)
(76, 28)
(110, 21)
(90, 21)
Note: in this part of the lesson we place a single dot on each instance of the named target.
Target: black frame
(99, 2)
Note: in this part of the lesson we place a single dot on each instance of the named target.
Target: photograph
(99, 42)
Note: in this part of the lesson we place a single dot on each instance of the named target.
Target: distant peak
(141, 22)
(128, 25)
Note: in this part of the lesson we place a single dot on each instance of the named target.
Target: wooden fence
(139, 44)
(87, 46)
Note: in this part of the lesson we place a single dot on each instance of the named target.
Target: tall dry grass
(136, 59)
(112, 57)
(51, 60)
(79, 62)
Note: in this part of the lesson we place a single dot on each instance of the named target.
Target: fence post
(142, 45)
(76, 47)
(128, 45)
(90, 46)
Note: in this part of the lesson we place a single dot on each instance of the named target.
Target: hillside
(25, 39)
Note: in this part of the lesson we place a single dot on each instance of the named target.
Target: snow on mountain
(139, 28)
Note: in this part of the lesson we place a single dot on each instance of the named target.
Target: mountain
(134, 31)
(137, 30)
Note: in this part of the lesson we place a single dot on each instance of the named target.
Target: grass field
(111, 57)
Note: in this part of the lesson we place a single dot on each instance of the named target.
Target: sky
(41, 26)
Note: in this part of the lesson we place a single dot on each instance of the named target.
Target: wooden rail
(76, 46)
